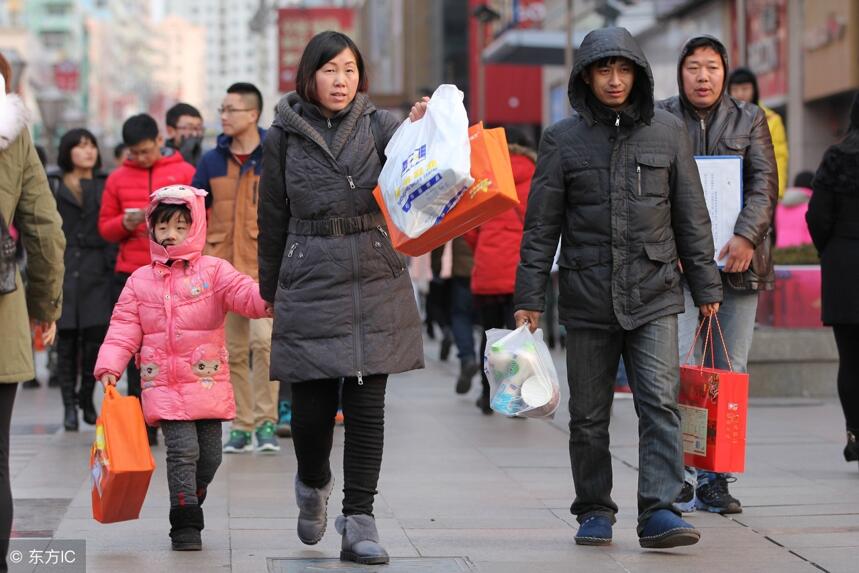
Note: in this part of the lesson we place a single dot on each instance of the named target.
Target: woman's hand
(108, 379)
(419, 109)
(709, 309)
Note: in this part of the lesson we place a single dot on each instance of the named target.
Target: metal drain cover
(397, 565)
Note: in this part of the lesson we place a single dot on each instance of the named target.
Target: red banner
(67, 76)
(296, 26)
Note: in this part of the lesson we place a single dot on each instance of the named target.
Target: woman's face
(337, 82)
(84, 154)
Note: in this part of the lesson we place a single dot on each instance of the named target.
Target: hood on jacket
(854, 114)
(192, 247)
(13, 116)
(606, 43)
(689, 47)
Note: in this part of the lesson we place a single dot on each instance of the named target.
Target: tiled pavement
(490, 494)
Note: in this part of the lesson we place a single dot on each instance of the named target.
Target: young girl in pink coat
(171, 316)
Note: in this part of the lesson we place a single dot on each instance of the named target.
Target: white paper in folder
(722, 180)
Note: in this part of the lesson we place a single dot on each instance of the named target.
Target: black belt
(336, 227)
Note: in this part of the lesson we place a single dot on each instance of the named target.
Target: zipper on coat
(617, 121)
(328, 119)
(291, 250)
(703, 137)
(638, 173)
(356, 291)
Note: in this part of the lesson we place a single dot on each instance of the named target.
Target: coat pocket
(293, 259)
(382, 245)
(651, 173)
(657, 271)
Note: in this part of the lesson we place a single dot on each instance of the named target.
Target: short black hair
(178, 110)
(118, 149)
(245, 88)
(745, 76)
(139, 128)
(163, 212)
(322, 48)
(69, 141)
(803, 179)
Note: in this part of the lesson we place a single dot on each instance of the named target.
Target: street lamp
(485, 15)
(51, 102)
(17, 63)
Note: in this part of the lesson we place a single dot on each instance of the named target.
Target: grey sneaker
(267, 438)
(239, 442)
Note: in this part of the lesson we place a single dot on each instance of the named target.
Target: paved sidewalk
(491, 491)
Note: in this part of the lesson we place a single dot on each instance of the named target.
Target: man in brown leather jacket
(720, 125)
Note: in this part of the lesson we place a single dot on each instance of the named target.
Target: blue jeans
(737, 320)
(462, 317)
(650, 355)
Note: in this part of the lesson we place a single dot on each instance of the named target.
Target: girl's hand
(269, 309)
(108, 379)
(419, 109)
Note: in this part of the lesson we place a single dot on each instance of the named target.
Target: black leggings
(847, 340)
(314, 405)
(7, 400)
(496, 311)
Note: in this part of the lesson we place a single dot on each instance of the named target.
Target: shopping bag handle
(111, 392)
(709, 342)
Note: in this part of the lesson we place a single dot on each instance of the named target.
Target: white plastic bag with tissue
(428, 165)
(520, 368)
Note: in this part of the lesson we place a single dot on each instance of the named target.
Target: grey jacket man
(622, 191)
(733, 127)
(344, 304)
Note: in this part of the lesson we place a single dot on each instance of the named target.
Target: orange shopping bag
(713, 406)
(121, 462)
(493, 192)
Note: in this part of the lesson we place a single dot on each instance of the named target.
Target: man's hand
(532, 317)
(709, 309)
(108, 379)
(419, 109)
(739, 251)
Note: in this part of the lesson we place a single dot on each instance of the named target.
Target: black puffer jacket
(736, 128)
(623, 192)
(344, 304)
(833, 221)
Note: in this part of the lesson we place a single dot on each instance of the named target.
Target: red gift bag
(120, 460)
(713, 409)
(493, 192)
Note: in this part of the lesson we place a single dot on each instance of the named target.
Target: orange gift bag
(714, 406)
(493, 192)
(121, 462)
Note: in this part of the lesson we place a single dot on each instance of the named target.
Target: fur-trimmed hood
(13, 118)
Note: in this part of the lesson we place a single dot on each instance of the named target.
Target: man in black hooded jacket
(618, 184)
(721, 125)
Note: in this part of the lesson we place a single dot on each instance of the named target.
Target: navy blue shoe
(594, 530)
(666, 529)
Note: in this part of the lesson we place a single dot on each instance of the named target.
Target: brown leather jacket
(736, 128)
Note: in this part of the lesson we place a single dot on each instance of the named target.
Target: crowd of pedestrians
(256, 282)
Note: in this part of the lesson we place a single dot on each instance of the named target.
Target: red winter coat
(496, 242)
(130, 187)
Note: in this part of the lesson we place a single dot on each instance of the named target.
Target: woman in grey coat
(344, 308)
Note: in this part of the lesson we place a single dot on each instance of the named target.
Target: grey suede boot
(312, 510)
(360, 540)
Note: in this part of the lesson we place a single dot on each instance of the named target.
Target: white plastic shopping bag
(428, 165)
(519, 366)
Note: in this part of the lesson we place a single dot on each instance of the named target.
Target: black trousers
(847, 340)
(132, 372)
(77, 351)
(314, 405)
(7, 400)
(495, 311)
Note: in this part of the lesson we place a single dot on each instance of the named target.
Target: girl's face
(172, 231)
(84, 154)
(337, 83)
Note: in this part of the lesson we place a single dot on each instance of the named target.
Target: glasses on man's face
(232, 110)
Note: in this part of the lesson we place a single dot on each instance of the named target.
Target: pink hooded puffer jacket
(174, 317)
